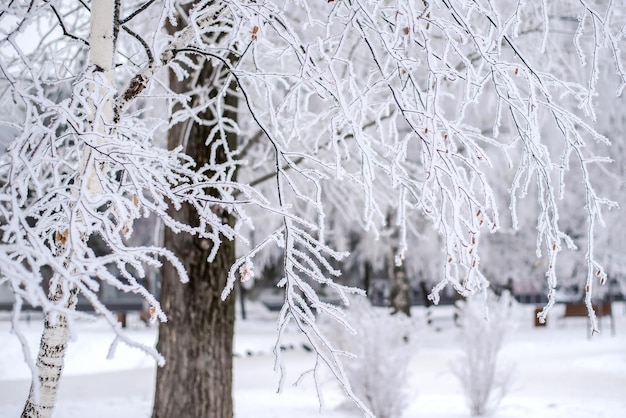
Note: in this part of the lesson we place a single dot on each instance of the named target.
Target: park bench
(119, 303)
(579, 309)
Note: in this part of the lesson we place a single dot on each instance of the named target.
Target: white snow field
(559, 371)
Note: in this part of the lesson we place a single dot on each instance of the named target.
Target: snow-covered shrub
(484, 320)
(383, 346)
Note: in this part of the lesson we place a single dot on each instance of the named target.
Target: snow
(559, 371)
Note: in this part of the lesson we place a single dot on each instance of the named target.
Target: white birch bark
(101, 48)
(55, 336)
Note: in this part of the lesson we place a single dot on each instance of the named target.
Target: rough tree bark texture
(196, 342)
(197, 339)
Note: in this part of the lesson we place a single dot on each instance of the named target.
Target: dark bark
(400, 286)
(367, 279)
(197, 339)
(400, 293)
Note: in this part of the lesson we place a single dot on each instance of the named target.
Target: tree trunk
(197, 339)
(400, 293)
(50, 360)
(367, 279)
(55, 336)
(400, 286)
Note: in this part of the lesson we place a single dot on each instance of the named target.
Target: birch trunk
(55, 336)
(50, 360)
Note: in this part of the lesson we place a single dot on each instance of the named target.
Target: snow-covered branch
(353, 108)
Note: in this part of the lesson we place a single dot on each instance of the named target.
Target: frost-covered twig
(356, 109)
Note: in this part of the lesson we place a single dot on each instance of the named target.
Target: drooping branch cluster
(67, 181)
(422, 99)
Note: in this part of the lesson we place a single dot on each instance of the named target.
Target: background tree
(373, 101)
(483, 327)
(383, 346)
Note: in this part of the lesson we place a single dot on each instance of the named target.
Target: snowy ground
(559, 372)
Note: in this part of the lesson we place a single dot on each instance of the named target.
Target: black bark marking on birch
(48, 382)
